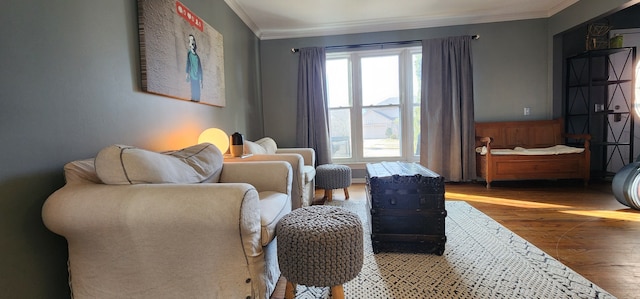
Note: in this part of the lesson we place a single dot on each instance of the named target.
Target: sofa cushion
(273, 206)
(309, 172)
(268, 144)
(251, 147)
(122, 164)
(81, 171)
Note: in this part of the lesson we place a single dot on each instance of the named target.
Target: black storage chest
(406, 208)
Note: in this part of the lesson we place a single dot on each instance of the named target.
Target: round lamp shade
(216, 137)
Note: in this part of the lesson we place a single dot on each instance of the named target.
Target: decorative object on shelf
(597, 36)
(616, 41)
(216, 137)
(237, 144)
(181, 56)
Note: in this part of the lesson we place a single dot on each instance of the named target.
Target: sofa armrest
(296, 162)
(308, 154)
(180, 238)
(263, 175)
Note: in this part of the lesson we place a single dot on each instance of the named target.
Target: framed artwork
(181, 56)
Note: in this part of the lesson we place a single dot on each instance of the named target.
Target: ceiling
(277, 19)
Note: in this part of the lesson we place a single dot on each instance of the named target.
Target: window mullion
(405, 103)
(356, 112)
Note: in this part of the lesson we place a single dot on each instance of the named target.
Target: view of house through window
(374, 104)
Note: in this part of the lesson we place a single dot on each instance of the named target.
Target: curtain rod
(294, 50)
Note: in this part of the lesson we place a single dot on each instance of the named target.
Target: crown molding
(561, 6)
(380, 25)
(243, 16)
(393, 25)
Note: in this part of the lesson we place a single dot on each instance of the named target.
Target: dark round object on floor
(626, 184)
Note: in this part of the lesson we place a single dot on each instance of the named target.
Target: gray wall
(69, 85)
(509, 59)
(516, 65)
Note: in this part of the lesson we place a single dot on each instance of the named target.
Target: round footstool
(333, 176)
(319, 246)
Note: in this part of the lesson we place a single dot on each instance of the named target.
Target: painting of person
(167, 31)
(194, 69)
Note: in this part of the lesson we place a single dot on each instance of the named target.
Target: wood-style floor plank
(585, 228)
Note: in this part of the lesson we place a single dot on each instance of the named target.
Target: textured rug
(482, 259)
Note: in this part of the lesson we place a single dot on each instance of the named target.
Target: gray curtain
(313, 115)
(446, 118)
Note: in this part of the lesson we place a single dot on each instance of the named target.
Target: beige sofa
(183, 224)
(302, 161)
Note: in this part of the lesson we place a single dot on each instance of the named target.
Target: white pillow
(122, 164)
(268, 144)
(81, 171)
(254, 148)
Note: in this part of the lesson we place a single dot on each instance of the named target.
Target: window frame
(355, 107)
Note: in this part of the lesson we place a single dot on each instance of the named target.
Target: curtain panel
(446, 113)
(313, 109)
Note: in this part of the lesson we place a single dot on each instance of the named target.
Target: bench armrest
(585, 137)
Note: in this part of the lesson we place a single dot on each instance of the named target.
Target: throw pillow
(122, 164)
(81, 171)
(268, 144)
(251, 147)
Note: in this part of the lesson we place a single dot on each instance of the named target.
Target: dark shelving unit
(599, 101)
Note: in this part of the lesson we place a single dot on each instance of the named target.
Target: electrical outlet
(527, 111)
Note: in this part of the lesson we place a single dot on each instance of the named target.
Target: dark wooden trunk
(406, 208)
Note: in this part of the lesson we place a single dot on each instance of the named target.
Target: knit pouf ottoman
(319, 246)
(333, 176)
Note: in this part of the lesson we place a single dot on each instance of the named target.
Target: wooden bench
(529, 134)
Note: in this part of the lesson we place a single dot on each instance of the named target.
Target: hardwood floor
(585, 228)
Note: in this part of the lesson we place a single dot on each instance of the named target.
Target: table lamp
(216, 137)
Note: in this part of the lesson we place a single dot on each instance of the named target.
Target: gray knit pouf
(333, 176)
(320, 246)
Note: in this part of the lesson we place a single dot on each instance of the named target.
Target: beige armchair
(137, 237)
(302, 161)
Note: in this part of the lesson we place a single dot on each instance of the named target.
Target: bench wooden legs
(337, 292)
(328, 194)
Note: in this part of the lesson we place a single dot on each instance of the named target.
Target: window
(374, 104)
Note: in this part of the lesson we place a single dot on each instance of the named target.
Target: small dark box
(406, 205)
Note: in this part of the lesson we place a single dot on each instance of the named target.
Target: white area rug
(482, 259)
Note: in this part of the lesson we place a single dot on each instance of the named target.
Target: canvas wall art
(181, 55)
